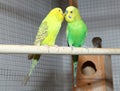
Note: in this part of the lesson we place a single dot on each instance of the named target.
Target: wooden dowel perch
(56, 50)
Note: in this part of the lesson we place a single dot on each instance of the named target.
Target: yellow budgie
(46, 35)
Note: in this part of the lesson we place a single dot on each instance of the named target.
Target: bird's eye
(59, 10)
(71, 12)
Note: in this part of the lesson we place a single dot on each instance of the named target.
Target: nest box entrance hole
(88, 68)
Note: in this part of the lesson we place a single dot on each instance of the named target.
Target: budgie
(76, 32)
(46, 35)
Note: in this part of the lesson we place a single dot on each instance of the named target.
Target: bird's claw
(71, 47)
(45, 45)
(84, 46)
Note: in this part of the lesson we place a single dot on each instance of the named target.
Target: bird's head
(72, 14)
(58, 13)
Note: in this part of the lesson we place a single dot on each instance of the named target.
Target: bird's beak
(64, 14)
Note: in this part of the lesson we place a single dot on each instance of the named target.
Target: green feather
(76, 33)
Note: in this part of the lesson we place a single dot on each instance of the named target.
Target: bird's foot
(45, 45)
(71, 47)
(84, 46)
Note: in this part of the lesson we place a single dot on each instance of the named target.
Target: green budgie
(76, 32)
(46, 35)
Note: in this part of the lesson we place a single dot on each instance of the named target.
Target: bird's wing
(41, 35)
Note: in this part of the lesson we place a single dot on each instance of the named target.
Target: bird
(46, 35)
(76, 32)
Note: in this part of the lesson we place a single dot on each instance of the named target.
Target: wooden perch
(56, 50)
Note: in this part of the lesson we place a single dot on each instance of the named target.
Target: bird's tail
(27, 77)
(75, 63)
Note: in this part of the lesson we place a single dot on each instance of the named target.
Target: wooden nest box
(94, 73)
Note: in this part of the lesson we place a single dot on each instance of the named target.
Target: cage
(19, 23)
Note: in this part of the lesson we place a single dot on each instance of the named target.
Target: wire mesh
(19, 22)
